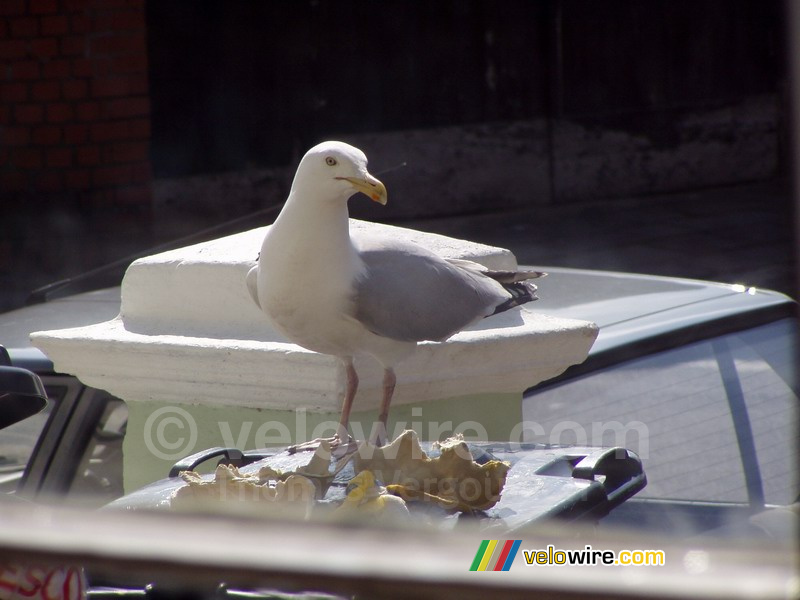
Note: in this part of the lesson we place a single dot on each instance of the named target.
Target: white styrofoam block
(522, 349)
(189, 333)
(198, 290)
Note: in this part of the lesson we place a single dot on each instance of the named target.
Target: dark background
(649, 136)
(237, 84)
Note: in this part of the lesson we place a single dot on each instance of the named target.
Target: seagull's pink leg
(341, 442)
(349, 395)
(389, 381)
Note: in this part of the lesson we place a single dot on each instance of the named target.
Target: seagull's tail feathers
(518, 286)
(499, 276)
(505, 277)
(521, 293)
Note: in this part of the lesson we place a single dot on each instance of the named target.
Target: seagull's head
(339, 169)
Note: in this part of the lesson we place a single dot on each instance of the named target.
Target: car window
(713, 420)
(98, 477)
(18, 441)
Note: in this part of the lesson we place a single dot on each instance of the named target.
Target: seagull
(347, 295)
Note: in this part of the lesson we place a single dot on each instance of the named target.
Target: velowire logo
(492, 552)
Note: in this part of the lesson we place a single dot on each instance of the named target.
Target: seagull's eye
(330, 161)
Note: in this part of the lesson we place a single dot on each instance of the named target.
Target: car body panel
(638, 315)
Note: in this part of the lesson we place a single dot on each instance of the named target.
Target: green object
(479, 555)
(160, 434)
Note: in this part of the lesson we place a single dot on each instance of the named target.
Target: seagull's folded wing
(408, 293)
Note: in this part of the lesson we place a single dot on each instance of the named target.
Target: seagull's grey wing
(409, 293)
(252, 284)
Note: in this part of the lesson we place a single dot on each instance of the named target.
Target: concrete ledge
(520, 349)
(189, 333)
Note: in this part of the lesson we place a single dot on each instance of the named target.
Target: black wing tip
(521, 292)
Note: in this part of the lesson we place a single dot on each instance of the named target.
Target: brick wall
(74, 105)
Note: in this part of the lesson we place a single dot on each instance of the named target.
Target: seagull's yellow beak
(369, 186)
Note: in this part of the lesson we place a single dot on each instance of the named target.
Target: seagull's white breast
(306, 289)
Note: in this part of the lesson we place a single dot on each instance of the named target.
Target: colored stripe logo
(493, 552)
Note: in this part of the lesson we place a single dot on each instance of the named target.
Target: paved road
(739, 234)
(742, 234)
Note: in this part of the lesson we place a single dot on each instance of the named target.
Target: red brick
(47, 135)
(135, 195)
(102, 197)
(141, 172)
(103, 67)
(24, 27)
(59, 157)
(109, 130)
(60, 112)
(76, 134)
(29, 113)
(81, 23)
(108, 4)
(73, 45)
(119, 20)
(88, 156)
(78, 179)
(139, 129)
(13, 92)
(75, 89)
(13, 181)
(54, 25)
(15, 136)
(27, 158)
(87, 111)
(119, 44)
(128, 152)
(26, 69)
(77, 5)
(10, 49)
(40, 7)
(116, 175)
(46, 90)
(49, 181)
(127, 107)
(83, 67)
(56, 69)
(135, 63)
(4, 113)
(12, 7)
(103, 88)
(44, 47)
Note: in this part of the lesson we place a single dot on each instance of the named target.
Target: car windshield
(713, 421)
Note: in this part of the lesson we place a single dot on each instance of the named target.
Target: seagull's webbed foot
(338, 445)
(313, 445)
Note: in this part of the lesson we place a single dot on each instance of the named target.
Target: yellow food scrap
(453, 479)
(365, 497)
(230, 486)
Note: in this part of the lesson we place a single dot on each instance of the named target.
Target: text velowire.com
(590, 556)
(500, 555)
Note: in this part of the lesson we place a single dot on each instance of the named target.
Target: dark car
(698, 378)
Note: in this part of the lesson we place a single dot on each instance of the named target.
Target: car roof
(70, 311)
(631, 308)
(627, 307)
